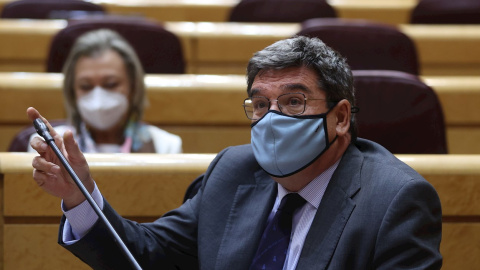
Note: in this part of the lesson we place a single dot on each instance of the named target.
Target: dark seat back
(46, 9)
(280, 10)
(446, 12)
(365, 44)
(400, 112)
(158, 49)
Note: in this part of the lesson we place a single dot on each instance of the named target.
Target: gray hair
(334, 74)
(91, 44)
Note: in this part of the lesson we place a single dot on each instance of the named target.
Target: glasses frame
(279, 107)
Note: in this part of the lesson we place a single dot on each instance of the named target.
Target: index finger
(33, 114)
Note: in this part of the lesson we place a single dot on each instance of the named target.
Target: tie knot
(290, 203)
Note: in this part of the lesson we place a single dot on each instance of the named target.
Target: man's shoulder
(233, 166)
(242, 152)
(378, 158)
(236, 158)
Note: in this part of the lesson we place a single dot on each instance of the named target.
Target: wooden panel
(25, 43)
(456, 179)
(24, 90)
(146, 185)
(34, 246)
(133, 179)
(463, 140)
(459, 97)
(433, 41)
(206, 139)
(460, 246)
(226, 47)
(234, 44)
(172, 10)
(129, 195)
(459, 193)
(391, 12)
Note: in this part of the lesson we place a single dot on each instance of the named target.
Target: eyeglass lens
(290, 104)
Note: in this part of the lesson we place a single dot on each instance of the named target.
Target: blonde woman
(104, 94)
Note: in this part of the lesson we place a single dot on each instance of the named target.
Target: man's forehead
(291, 69)
(300, 79)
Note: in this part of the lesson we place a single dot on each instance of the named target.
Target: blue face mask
(284, 145)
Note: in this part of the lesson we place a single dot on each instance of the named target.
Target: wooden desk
(225, 48)
(142, 187)
(392, 11)
(206, 111)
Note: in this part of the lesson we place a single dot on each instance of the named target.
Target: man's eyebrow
(297, 86)
(254, 91)
(286, 88)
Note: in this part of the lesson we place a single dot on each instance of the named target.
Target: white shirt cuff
(81, 218)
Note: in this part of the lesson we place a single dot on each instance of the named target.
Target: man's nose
(274, 105)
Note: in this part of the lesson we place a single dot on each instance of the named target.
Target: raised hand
(48, 171)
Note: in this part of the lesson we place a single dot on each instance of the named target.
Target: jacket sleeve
(170, 242)
(413, 222)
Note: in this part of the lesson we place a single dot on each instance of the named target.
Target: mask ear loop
(354, 109)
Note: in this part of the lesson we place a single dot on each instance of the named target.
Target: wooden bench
(392, 11)
(225, 48)
(142, 187)
(206, 111)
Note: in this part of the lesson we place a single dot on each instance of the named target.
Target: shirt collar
(313, 192)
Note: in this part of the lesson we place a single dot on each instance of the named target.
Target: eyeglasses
(289, 104)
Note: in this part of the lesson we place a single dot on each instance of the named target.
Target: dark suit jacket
(377, 213)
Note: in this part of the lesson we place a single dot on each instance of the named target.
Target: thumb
(78, 161)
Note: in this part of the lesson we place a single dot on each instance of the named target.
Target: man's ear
(342, 115)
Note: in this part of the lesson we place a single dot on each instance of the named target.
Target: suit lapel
(333, 213)
(251, 206)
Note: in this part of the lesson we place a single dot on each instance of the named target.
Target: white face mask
(102, 109)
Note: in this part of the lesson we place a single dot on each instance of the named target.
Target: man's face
(273, 83)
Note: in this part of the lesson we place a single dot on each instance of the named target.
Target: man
(361, 208)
